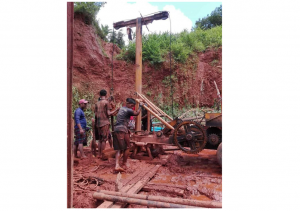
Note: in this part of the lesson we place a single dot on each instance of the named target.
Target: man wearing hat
(121, 140)
(80, 127)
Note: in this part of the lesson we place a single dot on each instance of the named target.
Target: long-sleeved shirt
(79, 118)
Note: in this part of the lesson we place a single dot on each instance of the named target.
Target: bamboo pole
(161, 111)
(158, 117)
(149, 104)
(208, 204)
(148, 203)
(153, 106)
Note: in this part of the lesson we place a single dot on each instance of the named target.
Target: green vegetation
(212, 20)
(214, 62)
(117, 38)
(89, 114)
(167, 83)
(156, 46)
(206, 33)
(90, 11)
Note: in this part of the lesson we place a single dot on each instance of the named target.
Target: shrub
(156, 46)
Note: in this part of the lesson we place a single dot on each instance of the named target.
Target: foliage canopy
(212, 20)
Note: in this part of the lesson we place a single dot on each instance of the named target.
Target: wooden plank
(183, 187)
(139, 185)
(128, 183)
(106, 204)
(133, 176)
(136, 179)
(172, 190)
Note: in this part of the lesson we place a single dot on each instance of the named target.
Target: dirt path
(198, 176)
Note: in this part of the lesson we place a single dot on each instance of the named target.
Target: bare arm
(135, 113)
(109, 112)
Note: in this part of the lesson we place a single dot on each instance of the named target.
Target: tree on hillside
(106, 31)
(117, 38)
(212, 20)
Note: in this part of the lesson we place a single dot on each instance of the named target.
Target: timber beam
(146, 20)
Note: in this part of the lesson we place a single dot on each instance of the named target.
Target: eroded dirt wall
(92, 71)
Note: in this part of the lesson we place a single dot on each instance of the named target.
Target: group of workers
(120, 140)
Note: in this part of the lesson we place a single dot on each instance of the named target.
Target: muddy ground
(199, 175)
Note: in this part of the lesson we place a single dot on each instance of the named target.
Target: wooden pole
(148, 203)
(150, 104)
(161, 111)
(154, 107)
(138, 69)
(158, 117)
(70, 20)
(208, 204)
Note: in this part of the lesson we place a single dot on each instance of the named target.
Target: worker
(95, 130)
(80, 128)
(121, 133)
(102, 113)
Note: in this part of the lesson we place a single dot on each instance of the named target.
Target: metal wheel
(214, 139)
(190, 137)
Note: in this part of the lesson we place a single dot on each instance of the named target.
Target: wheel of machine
(190, 137)
(213, 139)
(219, 154)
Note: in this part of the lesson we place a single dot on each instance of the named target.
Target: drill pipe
(208, 204)
(148, 203)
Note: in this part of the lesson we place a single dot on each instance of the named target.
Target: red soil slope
(92, 72)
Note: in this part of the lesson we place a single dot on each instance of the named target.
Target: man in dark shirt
(80, 127)
(121, 140)
(102, 113)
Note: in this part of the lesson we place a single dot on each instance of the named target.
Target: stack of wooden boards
(139, 181)
(133, 184)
